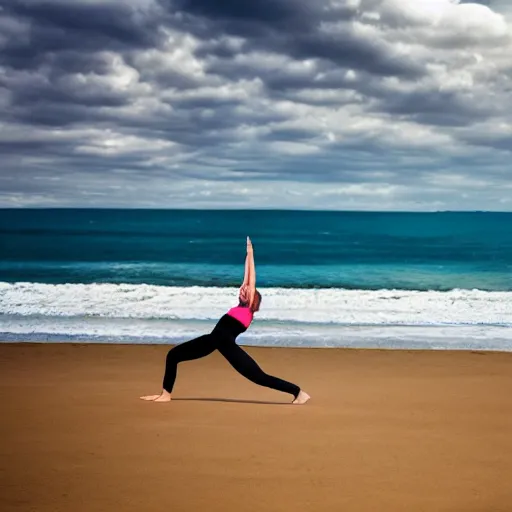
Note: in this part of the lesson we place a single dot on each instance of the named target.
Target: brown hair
(257, 304)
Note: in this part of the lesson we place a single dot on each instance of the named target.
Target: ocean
(328, 279)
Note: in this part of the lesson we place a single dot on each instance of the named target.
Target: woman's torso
(243, 314)
(234, 322)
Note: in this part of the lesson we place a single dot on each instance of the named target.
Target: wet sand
(395, 431)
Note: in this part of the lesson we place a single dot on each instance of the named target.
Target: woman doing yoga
(223, 339)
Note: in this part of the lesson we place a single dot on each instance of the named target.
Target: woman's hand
(249, 246)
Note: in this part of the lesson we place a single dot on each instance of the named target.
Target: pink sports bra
(243, 314)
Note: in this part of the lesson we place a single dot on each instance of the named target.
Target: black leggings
(222, 338)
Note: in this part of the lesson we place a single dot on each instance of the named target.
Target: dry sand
(385, 431)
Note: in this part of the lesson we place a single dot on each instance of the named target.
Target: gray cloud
(294, 28)
(80, 26)
(398, 105)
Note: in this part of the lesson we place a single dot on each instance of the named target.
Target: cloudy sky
(325, 104)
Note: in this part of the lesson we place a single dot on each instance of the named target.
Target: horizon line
(268, 209)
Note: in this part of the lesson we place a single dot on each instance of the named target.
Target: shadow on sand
(230, 400)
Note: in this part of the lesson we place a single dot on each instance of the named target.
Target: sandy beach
(385, 431)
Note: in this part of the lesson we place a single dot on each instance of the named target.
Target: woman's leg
(193, 349)
(188, 351)
(244, 364)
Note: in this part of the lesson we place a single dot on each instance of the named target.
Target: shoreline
(170, 344)
(407, 346)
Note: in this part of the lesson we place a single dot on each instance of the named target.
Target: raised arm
(252, 272)
(247, 271)
(248, 288)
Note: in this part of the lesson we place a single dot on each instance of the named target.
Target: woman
(223, 339)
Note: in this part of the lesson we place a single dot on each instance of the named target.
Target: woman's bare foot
(302, 398)
(164, 396)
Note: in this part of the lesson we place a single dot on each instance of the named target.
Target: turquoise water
(387, 280)
(293, 249)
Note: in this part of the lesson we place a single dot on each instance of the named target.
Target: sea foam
(458, 319)
(326, 306)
